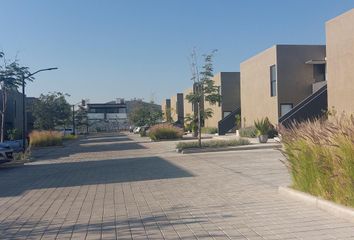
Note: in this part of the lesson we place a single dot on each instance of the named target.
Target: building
(13, 113)
(279, 78)
(166, 110)
(340, 62)
(229, 87)
(177, 108)
(111, 116)
(188, 108)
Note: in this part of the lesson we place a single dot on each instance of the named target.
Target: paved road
(122, 187)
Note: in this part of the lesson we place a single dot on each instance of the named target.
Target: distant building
(166, 110)
(177, 108)
(229, 89)
(111, 116)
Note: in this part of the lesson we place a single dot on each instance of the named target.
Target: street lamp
(24, 104)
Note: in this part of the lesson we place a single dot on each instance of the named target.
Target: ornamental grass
(320, 158)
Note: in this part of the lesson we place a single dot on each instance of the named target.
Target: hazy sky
(110, 49)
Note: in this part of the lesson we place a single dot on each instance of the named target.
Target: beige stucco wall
(174, 108)
(229, 83)
(340, 62)
(256, 102)
(187, 106)
(165, 104)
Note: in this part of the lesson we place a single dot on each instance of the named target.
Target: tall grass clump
(165, 131)
(209, 130)
(45, 138)
(320, 157)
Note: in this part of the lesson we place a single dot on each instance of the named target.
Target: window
(285, 108)
(122, 110)
(273, 81)
(225, 114)
(319, 72)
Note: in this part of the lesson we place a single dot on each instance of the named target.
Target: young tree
(145, 114)
(51, 110)
(204, 89)
(11, 76)
(81, 118)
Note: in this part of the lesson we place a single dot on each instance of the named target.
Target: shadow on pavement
(120, 227)
(14, 181)
(88, 145)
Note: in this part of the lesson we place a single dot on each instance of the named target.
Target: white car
(136, 130)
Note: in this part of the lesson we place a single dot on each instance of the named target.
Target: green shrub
(165, 131)
(213, 143)
(249, 132)
(209, 130)
(263, 126)
(69, 137)
(45, 138)
(320, 157)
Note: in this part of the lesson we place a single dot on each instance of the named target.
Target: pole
(199, 126)
(74, 132)
(24, 134)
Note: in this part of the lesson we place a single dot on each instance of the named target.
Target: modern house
(177, 108)
(166, 109)
(13, 113)
(340, 62)
(229, 89)
(107, 116)
(278, 79)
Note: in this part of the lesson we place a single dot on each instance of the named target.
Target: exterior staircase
(312, 107)
(228, 122)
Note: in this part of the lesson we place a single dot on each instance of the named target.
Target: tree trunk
(199, 126)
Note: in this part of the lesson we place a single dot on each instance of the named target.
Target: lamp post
(24, 104)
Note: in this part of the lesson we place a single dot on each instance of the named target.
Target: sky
(108, 49)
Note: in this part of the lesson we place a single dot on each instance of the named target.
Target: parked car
(6, 153)
(136, 130)
(67, 131)
(15, 145)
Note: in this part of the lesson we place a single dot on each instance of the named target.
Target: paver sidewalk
(119, 187)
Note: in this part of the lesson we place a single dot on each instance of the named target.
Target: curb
(328, 206)
(237, 148)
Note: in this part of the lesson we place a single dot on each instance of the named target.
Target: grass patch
(69, 137)
(213, 144)
(249, 132)
(45, 138)
(165, 132)
(320, 158)
(209, 130)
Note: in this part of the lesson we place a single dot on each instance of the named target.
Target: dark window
(319, 72)
(273, 81)
(285, 108)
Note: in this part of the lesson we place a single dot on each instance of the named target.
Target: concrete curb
(237, 148)
(330, 207)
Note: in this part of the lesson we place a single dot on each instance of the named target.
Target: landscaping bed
(320, 158)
